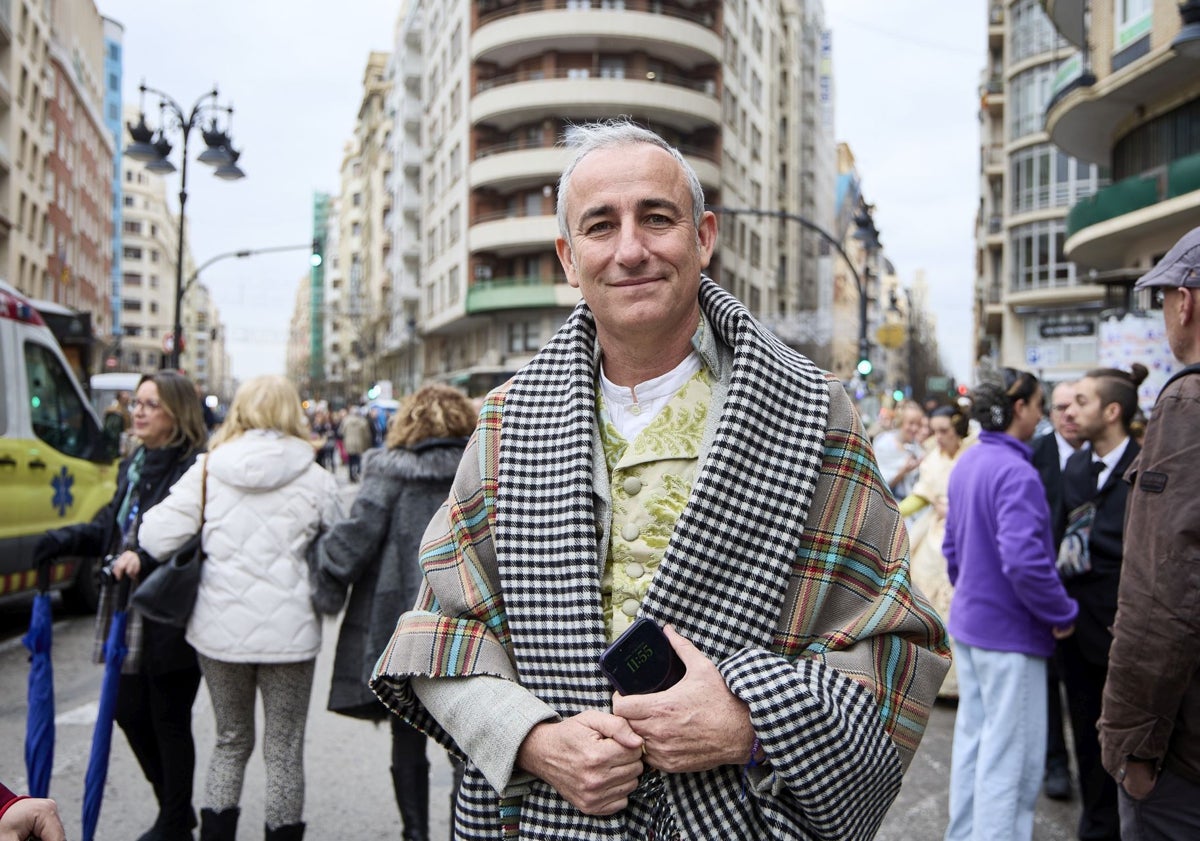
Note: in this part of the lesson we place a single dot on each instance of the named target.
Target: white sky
(906, 83)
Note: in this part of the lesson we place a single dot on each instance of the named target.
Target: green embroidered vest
(650, 479)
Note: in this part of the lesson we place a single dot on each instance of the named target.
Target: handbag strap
(203, 489)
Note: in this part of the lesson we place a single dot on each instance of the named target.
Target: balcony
(995, 25)
(1067, 17)
(1085, 118)
(519, 169)
(505, 235)
(675, 100)
(514, 293)
(666, 31)
(1104, 229)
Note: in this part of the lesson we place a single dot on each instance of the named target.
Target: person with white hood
(260, 500)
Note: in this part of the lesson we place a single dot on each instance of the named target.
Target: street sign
(891, 335)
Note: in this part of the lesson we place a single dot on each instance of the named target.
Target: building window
(1030, 93)
(131, 252)
(1032, 31)
(1133, 18)
(1038, 259)
(523, 337)
(131, 305)
(131, 226)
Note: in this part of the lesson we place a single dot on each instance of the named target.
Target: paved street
(346, 761)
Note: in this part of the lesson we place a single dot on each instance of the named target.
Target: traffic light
(317, 248)
(898, 394)
(865, 367)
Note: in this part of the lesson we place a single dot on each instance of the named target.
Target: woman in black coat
(376, 552)
(156, 691)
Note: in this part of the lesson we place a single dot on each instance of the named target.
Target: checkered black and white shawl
(816, 629)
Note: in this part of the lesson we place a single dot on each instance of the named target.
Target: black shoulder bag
(169, 593)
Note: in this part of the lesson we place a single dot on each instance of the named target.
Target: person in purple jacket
(1008, 608)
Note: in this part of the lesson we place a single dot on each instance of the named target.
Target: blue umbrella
(39, 716)
(115, 649)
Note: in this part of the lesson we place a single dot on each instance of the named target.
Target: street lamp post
(867, 232)
(153, 148)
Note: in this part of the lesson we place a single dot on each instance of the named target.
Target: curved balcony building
(1034, 309)
(1131, 103)
(500, 82)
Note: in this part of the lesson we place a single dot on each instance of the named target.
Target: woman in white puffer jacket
(264, 500)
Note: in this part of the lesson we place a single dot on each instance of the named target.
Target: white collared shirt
(1065, 451)
(632, 409)
(1110, 461)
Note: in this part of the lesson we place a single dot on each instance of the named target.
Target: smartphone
(642, 660)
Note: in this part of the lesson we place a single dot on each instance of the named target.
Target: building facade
(1129, 99)
(1034, 307)
(481, 94)
(55, 156)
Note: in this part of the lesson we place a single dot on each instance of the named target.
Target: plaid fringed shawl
(788, 568)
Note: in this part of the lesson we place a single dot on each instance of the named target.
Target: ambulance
(56, 466)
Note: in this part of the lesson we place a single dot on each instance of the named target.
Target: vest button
(630, 532)
(632, 485)
(634, 570)
(630, 607)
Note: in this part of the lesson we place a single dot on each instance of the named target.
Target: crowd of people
(665, 459)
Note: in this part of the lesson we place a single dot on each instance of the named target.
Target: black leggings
(155, 711)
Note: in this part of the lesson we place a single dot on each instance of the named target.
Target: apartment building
(481, 95)
(114, 72)
(357, 286)
(1129, 99)
(55, 155)
(1034, 307)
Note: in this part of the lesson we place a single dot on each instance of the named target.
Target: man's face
(1087, 410)
(1061, 399)
(634, 252)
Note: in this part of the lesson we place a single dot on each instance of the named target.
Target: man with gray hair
(1150, 719)
(664, 457)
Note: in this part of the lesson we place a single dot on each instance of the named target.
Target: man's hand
(697, 724)
(33, 817)
(592, 759)
(1139, 778)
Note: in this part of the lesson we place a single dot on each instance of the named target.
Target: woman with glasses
(1008, 608)
(260, 501)
(157, 688)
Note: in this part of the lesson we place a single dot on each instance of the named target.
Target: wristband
(750, 763)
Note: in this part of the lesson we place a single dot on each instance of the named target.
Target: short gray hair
(606, 134)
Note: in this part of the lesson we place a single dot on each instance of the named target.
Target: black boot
(219, 826)
(287, 832)
(411, 784)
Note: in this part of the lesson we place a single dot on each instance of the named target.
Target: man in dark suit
(1050, 454)
(1094, 493)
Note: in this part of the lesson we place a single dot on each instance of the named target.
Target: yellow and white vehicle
(56, 467)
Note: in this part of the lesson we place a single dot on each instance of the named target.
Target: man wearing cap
(1150, 723)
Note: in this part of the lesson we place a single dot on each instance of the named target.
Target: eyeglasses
(1060, 407)
(148, 405)
(1159, 296)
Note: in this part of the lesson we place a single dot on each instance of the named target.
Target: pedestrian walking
(1150, 722)
(1094, 493)
(665, 457)
(374, 552)
(1050, 454)
(158, 684)
(951, 431)
(263, 503)
(355, 432)
(1008, 608)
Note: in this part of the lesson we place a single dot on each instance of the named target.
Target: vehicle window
(57, 411)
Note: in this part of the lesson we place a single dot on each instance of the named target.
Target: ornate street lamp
(152, 148)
